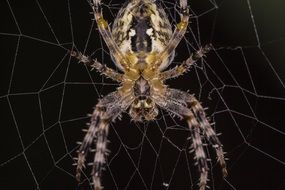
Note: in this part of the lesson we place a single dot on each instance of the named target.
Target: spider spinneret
(142, 45)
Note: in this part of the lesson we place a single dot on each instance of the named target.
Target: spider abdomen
(141, 28)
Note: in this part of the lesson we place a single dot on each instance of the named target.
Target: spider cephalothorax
(142, 44)
(142, 107)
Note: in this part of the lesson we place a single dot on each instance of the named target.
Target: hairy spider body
(142, 45)
(142, 31)
(142, 107)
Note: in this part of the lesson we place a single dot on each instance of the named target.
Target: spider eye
(148, 101)
(136, 101)
(141, 97)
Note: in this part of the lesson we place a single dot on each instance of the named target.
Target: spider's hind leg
(106, 34)
(178, 33)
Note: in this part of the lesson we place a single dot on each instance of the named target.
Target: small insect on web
(142, 45)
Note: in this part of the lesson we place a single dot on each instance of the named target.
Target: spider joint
(182, 25)
(102, 23)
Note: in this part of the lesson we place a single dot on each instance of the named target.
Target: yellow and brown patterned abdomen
(142, 30)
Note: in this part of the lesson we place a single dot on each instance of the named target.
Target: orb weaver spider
(142, 45)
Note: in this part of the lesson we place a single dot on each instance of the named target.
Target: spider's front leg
(186, 106)
(200, 116)
(197, 146)
(212, 137)
(106, 111)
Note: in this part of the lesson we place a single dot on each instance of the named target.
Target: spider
(142, 45)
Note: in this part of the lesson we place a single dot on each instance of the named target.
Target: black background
(45, 96)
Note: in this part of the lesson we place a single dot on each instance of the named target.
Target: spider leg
(200, 115)
(101, 150)
(197, 146)
(106, 111)
(103, 69)
(185, 66)
(195, 130)
(210, 133)
(106, 34)
(87, 142)
(188, 107)
(177, 35)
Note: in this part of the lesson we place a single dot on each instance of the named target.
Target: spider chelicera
(142, 45)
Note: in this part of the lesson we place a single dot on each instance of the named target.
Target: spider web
(45, 97)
